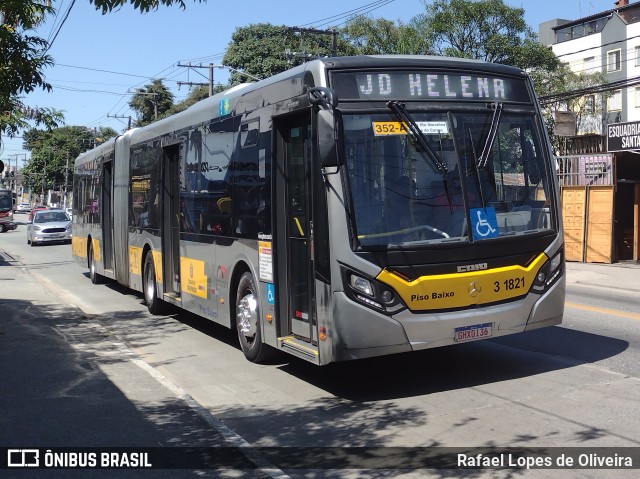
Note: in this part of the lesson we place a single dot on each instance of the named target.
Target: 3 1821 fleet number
(508, 284)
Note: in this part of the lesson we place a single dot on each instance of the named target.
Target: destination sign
(623, 136)
(421, 85)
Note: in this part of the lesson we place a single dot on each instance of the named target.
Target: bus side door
(294, 238)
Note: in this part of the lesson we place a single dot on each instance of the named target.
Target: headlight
(68, 227)
(370, 292)
(549, 273)
(36, 228)
(361, 284)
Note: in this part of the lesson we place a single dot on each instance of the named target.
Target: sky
(99, 59)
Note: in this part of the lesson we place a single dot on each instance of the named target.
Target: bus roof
(243, 97)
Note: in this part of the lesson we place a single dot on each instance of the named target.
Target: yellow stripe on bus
(459, 290)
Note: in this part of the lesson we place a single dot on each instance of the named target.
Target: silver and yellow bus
(349, 207)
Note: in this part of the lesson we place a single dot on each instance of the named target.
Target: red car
(36, 208)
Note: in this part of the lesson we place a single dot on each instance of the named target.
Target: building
(600, 169)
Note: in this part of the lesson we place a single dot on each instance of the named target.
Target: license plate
(475, 331)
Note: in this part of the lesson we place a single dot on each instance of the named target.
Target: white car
(23, 208)
(49, 226)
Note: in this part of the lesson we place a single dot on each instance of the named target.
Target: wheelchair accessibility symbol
(484, 223)
(271, 294)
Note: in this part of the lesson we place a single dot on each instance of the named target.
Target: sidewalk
(623, 277)
(67, 382)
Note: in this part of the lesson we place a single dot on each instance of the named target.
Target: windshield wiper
(400, 110)
(491, 136)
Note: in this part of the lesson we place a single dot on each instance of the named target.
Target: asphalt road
(576, 385)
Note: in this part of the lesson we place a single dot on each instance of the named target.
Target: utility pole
(122, 116)
(209, 67)
(332, 32)
(66, 182)
(142, 91)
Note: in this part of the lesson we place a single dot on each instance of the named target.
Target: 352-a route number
(389, 128)
(508, 284)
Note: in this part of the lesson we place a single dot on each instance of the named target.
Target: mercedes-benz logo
(474, 289)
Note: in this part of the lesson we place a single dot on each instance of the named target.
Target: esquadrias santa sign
(623, 136)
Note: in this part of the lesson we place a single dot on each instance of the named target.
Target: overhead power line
(604, 87)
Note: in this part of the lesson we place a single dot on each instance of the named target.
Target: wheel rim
(149, 284)
(247, 317)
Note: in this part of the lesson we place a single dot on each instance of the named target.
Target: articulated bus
(347, 208)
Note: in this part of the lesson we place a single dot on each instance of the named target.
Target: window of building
(613, 61)
(637, 94)
(614, 103)
(589, 65)
(589, 104)
(637, 56)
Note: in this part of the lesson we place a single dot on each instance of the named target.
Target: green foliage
(565, 86)
(368, 36)
(24, 56)
(52, 150)
(23, 60)
(486, 30)
(263, 50)
(151, 102)
(145, 6)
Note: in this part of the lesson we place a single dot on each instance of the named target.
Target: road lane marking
(595, 309)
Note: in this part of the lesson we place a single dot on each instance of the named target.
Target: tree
(24, 57)
(23, 60)
(369, 36)
(263, 50)
(144, 6)
(52, 150)
(485, 30)
(564, 91)
(151, 102)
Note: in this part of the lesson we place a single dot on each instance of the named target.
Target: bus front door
(295, 241)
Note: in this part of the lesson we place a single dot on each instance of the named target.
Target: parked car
(49, 226)
(23, 208)
(34, 209)
(7, 226)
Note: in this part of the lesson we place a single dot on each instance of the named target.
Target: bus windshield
(427, 178)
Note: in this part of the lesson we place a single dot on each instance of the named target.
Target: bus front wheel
(248, 321)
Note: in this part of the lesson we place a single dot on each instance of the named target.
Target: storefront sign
(623, 136)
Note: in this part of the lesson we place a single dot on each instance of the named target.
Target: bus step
(173, 297)
(299, 348)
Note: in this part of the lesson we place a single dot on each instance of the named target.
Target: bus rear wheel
(150, 287)
(93, 274)
(248, 321)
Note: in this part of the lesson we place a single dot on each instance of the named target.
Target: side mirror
(328, 139)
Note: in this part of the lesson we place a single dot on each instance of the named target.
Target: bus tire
(248, 321)
(93, 274)
(150, 287)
